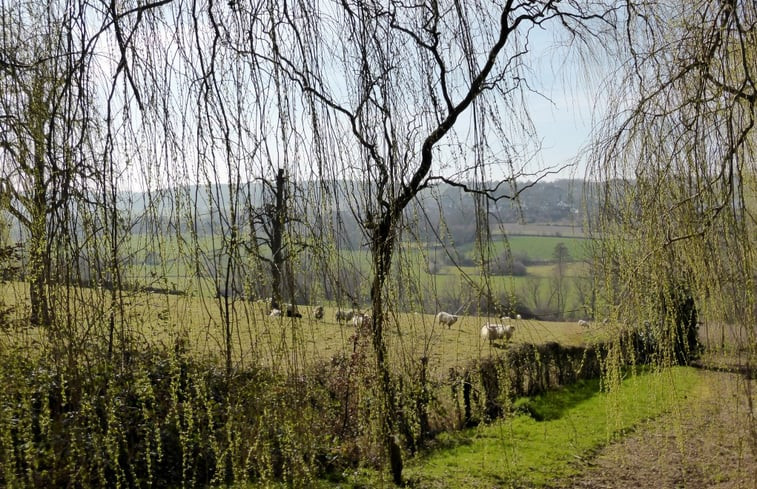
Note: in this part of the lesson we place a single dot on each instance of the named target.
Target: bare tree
(392, 81)
(269, 229)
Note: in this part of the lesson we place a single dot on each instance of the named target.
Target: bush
(515, 269)
(161, 419)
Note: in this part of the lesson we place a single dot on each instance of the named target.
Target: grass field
(283, 342)
(536, 248)
(534, 229)
(539, 442)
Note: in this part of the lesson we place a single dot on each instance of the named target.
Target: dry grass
(287, 343)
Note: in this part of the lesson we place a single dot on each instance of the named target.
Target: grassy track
(522, 452)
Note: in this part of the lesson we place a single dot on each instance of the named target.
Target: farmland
(572, 423)
(275, 341)
(443, 276)
(255, 244)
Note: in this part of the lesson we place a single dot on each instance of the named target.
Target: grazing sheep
(583, 323)
(504, 317)
(518, 317)
(446, 318)
(319, 312)
(497, 331)
(292, 312)
(275, 313)
(344, 315)
(362, 320)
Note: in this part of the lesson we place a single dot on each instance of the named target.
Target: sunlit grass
(288, 343)
(521, 451)
(537, 248)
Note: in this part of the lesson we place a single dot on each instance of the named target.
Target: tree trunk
(38, 251)
(278, 218)
(382, 244)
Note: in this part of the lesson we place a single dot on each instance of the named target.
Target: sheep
(362, 320)
(497, 331)
(446, 318)
(319, 312)
(518, 317)
(583, 323)
(291, 311)
(344, 315)
(275, 312)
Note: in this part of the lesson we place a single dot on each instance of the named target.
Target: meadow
(319, 365)
(459, 287)
(158, 319)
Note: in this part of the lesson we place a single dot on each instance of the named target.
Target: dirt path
(707, 444)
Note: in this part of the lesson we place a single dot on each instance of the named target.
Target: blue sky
(564, 115)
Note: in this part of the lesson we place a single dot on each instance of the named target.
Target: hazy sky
(563, 116)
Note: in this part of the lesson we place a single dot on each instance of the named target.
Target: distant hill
(443, 211)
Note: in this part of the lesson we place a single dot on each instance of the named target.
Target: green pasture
(539, 441)
(160, 264)
(544, 229)
(288, 343)
(536, 248)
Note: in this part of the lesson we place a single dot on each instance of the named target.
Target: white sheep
(584, 323)
(362, 320)
(518, 317)
(275, 313)
(344, 315)
(446, 318)
(497, 331)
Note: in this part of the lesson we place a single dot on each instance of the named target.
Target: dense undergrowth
(163, 420)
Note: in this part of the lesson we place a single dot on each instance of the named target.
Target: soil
(710, 443)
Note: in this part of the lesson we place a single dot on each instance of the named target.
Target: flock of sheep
(489, 331)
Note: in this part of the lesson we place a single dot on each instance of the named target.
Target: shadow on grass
(553, 404)
(545, 407)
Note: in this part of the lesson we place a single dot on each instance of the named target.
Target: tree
(677, 160)
(45, 121)
(394, 80)
(561, 257)
(272, 220)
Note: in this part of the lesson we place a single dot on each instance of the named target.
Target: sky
(561, 112)
(564, 113)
